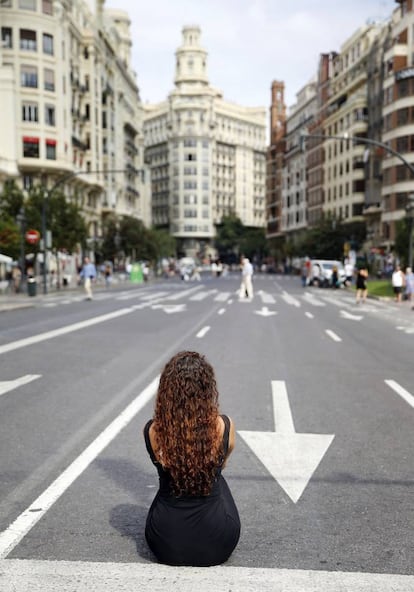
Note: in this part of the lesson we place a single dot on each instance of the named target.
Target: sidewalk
(11, 301)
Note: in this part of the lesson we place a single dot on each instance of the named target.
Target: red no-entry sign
(32, 236)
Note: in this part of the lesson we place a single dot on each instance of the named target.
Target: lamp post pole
(409, 208)
(44, 238)
(21, 220)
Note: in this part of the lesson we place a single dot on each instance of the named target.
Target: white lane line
(309, 315)
(7, 347)
(9, 385)
(401, 391)
(10, 537)
(202, 332)
(333, 335)
(21, 575)
(221, 311)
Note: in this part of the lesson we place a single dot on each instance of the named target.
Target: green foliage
(254, 244)
(63, 218)
(326, 241)
(233, 239)
(402, 239)
(10, 237)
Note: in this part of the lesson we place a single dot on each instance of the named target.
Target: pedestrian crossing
(306, 300)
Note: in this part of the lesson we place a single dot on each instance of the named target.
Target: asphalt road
(322, 395)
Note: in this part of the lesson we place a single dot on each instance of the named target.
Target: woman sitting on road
(193, 519)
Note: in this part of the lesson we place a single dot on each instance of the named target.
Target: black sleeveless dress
(192, 530)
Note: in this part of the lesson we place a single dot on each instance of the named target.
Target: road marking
(8, 347)
(290, 299)
(9, 385)
(290, 457)
(19, 575)
(202, 295)
(265, 312)
(351, 317)
(202, 332)
(333, 335)
(221, 311)
(169, 308)
(10, 537)
(222, 297)
(267, 298)
(309, 315)
(401, 391)
(311, 299)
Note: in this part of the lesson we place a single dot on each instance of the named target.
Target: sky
(250, 43)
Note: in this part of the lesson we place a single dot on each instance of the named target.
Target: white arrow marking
(309, 315)
(351, 317)
(265, 312)
(170, 308)
(290, 457)
(9, 385)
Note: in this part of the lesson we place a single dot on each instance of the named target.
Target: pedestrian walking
(88, 275)
(246, 286)
(398, 283)
(193, 519)
(409, 286)
(361, 285)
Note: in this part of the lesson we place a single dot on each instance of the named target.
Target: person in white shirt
(246, 287)
(398, 282)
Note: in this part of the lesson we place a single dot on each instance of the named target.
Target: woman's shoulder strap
(148, 441)
(226, 433)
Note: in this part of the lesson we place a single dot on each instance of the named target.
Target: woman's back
(191, 529)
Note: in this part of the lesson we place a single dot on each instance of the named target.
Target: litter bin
(31, 287)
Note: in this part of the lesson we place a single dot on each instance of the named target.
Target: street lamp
(21, 219)
(409, 208)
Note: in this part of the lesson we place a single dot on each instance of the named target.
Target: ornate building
(206, 155)
(70, 106)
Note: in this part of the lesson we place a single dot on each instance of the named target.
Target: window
(31, 147)
(47, 44)
(51, 149)
(28, 40)
(7, 37)
(49, 80)
(50, 115)
(28, 4)
(47, 7)
(28, 76)
(30, 112)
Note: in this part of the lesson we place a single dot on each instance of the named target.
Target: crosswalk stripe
(19, 575)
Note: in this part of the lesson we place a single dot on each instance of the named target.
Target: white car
(321, 272)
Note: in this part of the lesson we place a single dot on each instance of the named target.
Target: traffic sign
(32, 236)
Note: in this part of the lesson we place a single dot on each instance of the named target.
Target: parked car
(321, 272)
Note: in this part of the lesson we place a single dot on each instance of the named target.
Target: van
(321, 272)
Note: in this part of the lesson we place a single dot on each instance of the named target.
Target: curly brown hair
(187, 440)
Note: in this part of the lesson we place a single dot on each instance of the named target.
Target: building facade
(206, 155)
(70, 106)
